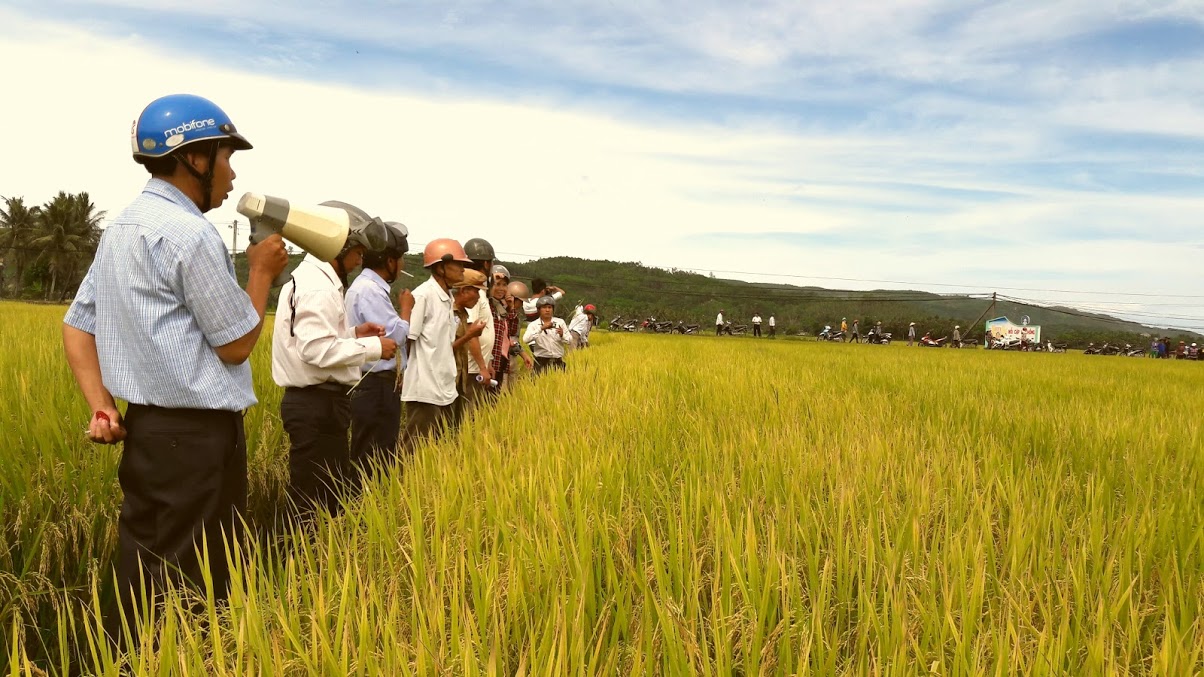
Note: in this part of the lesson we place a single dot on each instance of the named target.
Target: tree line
(45, 250)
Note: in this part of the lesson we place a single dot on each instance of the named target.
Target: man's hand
(474, 329)
(388, 347)
(369, 329)
(268, 258)
(528, 361)
(405, 303)
(486, 374)
(106, 426)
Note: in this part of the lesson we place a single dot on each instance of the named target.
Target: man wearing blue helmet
(160, 322)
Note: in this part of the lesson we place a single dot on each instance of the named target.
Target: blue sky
(891, 139)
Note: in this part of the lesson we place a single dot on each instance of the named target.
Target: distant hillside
(634, 290)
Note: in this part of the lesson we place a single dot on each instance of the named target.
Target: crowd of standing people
(161, 322)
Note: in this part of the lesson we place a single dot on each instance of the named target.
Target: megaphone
(318, 229)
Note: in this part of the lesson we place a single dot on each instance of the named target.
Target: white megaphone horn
(318, 229)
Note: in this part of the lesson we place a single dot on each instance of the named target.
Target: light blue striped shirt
(368, 301)
(159, 297)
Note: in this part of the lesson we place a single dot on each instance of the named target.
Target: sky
(1048, 150)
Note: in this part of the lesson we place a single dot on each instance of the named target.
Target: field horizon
(673, 505)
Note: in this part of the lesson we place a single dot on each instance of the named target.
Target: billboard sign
(1001, 327)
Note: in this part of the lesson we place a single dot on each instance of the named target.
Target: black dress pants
(375, 420)
(317, 419)
(183, 476)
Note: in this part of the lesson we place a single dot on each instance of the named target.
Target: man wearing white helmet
(911, 333)
(957, 336)
(317, 357)
(160, 322)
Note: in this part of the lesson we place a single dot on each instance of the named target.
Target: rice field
(671, 506)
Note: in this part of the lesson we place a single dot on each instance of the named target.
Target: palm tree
(18, 224)
(67, 234)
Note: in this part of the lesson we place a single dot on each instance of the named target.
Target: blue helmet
(174, 121)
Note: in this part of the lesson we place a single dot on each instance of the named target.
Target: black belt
(331, 387)
(391, 375)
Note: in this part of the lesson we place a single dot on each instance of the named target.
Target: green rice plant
(690, 505)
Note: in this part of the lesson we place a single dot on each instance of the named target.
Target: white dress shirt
(547, 342)
(312, 342)
(483, 312)
(430, 375)
(719, 318)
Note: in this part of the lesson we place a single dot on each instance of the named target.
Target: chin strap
(206, 179)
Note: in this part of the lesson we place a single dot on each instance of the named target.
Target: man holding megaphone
(316, 358)
(160, 322)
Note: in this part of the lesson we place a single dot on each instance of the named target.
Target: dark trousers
(375, 420)
(427, 421)
(542, 364)
(319, 462)
(718, 329)
(756, 330)
(773, 331)
(183, 476)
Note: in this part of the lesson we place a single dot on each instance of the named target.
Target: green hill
(633, 290)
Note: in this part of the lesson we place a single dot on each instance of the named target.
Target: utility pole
(234, 246)
(989, 309)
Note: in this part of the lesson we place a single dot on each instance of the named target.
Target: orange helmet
(442, 250)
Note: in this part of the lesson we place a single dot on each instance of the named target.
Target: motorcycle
(828, 335)
(734, 329)
(878, 338)
(1007, 343)
(1130, 351)
(1110, 350)
(1091, 349)
(617, 323)
(928, 342)
(683, 328)
(1051, 347)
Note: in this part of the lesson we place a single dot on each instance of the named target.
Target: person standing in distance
(429, 385)
(376, 401)
(911, 333)
(719, 323)
(539, 289)
(756, 322)
(160, 322)
(773, 327)
(316, 358)
(582, 323)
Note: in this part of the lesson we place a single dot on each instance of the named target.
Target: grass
(683, 505)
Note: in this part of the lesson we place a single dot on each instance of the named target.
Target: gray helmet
(368, 231)
(545, 301)
(478, 249)
(499, 269)
(396, 245)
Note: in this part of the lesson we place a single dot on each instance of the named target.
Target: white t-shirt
(582, 324)
(431, 370)
(529, 308)
(482, 311)
(719, 318)
(771, 322)
(756, 319)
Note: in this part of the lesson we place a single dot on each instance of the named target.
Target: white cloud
(550, 177)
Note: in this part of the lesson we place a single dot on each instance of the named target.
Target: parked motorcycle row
(872, 336)
(653, 325)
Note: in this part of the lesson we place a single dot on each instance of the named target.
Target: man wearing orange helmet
(429, 386)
